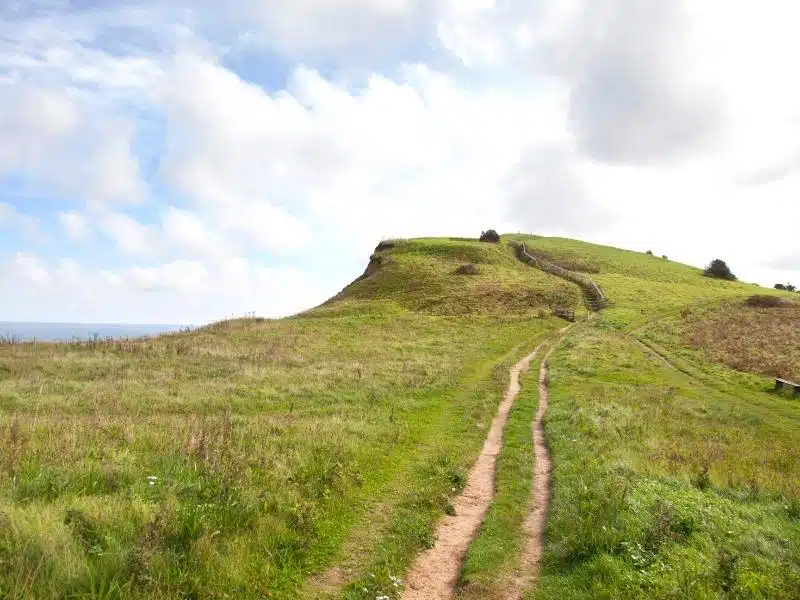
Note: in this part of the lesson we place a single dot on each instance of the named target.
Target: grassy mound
(422, 275)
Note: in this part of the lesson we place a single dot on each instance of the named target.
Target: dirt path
(537, 518)
(434, 574)
(534, 525)
(653, 354)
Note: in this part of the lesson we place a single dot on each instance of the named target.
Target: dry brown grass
(757, 340)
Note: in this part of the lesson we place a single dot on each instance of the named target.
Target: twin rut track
(435, 573)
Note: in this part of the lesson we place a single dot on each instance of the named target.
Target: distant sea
(64, 332)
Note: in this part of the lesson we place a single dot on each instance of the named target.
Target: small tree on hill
(780, 286)
(490, 236)
(719, 270)
(790, 287)
(650, 252)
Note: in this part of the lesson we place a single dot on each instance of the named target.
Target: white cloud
(357, 163)
(34, 123)
(185, 231)
(76, 225)
(11, 218)
(130, 236)
(184, 292)
(327, 27)
(28, 267)
(50, 139)
(651, 125)
(649, 81)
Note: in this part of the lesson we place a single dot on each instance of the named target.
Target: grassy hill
(311, 457)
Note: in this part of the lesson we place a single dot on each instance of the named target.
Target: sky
(184, 161)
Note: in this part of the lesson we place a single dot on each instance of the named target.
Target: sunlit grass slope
(671, 482)
(666, 485)
(640, 286)
(421, 275)
(242, 459)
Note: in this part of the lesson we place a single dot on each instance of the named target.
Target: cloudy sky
(179, 161)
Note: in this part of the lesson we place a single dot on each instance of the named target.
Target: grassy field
(238, 460)
(664, 486)
(312, 457)
(671, 482)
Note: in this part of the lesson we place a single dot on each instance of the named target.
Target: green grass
(641, 287)
(664, 486)
(421, 275)
(243, 458)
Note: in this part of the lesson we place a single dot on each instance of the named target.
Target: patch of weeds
(86, 530)
(726, 572)
(702, 481)
(49, 484)
(102, 586)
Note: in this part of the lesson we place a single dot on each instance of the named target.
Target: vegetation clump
(385, 245)
(762, 301)
(490, 236)
(719, 270)
(467, 269)
(788, 287)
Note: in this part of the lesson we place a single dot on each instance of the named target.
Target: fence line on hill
(594, 297)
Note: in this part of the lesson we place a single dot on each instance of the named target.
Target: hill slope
(312, 457)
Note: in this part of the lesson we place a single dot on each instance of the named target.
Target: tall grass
(238, 459)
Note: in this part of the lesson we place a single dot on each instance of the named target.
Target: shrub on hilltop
(491, 236)
(719, 270)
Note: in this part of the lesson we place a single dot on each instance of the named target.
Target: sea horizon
(45, 331)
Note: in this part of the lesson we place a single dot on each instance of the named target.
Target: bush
(790, 287)
(761, 301)
(780, 286)
(719, 270)
(490, 236)
(664, 257)
(650, 252)
(467, 269)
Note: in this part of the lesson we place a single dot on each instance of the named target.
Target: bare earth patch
(434, 574)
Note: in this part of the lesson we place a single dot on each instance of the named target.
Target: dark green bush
(490, 235)
(719, 270)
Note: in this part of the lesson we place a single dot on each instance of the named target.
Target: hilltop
(313, 456)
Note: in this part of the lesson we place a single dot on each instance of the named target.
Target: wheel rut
(434, 574)
(535, 523)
